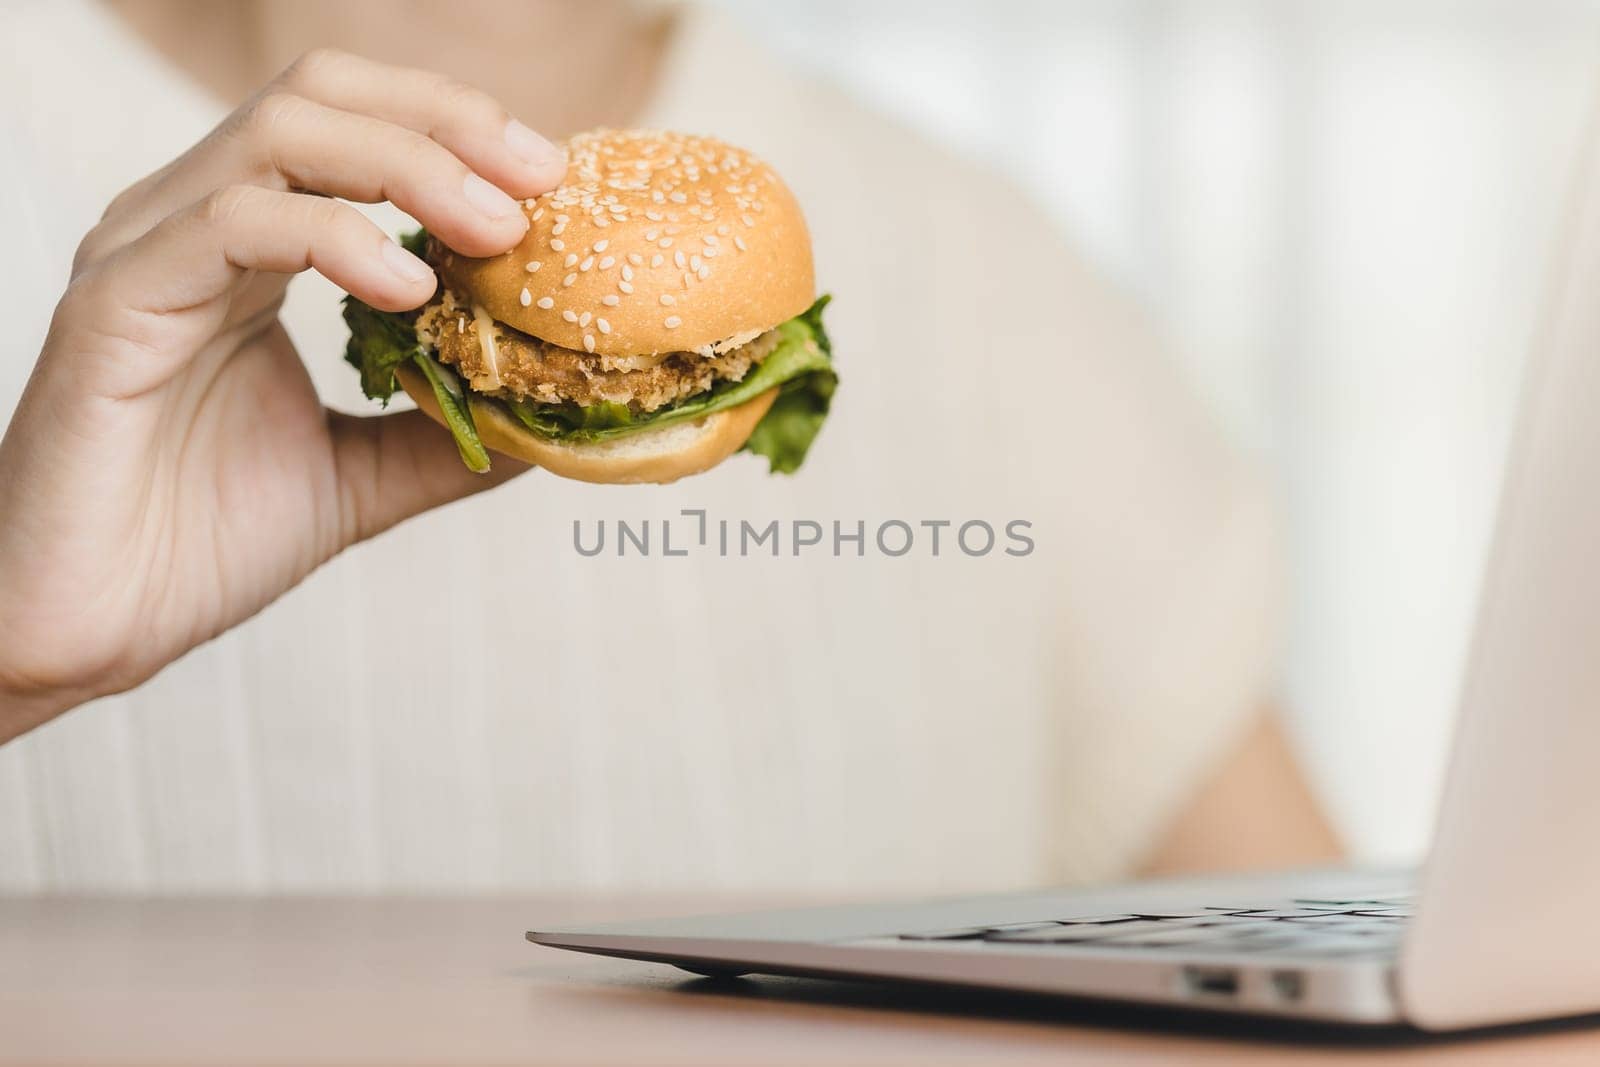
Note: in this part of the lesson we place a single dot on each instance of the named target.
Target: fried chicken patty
(531, 369)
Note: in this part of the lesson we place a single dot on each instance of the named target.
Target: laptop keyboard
(1357, 927)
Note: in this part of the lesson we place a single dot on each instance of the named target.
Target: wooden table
(451, 981)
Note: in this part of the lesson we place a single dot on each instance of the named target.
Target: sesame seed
(694, 262)
(588, 342)
(572, 257)
(653, 216)
(532, 265)
(562, 219)
(627, 273)
(546, 303)
(559, 228)
(569, 279)
(703, 273)
(608, 262)
(710, 253)
(526, 298)
(668, 299)
(559, 246)
(611, 300)
(677, 257)
(656, 260)
(461, 325)
(636, 259)
(651, 235)
(709, 238)
(678, 198)
(738, 242)
(587, 263)
(601, 246)
(747, 220)
(605, 327)
(583, 320)
(672, 322)
(665, 242)
(601, 220)
(626, 287)
(537, 215)
(570, 315)
(724, 229)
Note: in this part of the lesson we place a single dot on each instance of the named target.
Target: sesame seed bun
(661, 455)
(655, 242)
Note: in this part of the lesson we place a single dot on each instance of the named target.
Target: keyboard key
(1243, 926)
(966, 933)
(1357, 902)
(1292, 913)
(1079, 932)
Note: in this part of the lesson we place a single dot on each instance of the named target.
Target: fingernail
(529, 146)
(489, 200)
(405, 264)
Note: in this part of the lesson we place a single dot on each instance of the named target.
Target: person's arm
(169, 470)
(1255, 811)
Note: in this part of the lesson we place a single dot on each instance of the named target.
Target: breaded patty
(531, 369)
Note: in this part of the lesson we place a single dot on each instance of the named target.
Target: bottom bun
(663, 455)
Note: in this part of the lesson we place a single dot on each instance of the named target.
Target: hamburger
(659, 315)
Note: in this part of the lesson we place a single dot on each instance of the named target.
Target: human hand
(169, 470)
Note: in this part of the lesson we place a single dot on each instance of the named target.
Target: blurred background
(1341, 213)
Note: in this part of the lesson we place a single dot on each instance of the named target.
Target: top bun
(655, 242)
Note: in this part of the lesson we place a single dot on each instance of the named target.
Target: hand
(169, 470)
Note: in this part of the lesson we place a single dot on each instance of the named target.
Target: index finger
(467, 121)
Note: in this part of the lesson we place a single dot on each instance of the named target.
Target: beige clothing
(469, 702)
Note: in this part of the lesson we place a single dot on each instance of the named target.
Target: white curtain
(1342, 214)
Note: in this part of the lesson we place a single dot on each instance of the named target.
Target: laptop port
(1288, 985)
(1211, 981)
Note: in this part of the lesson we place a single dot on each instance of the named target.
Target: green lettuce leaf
(379, 342)
(449, 392)
(415, 242)
(785, 433)
(569, 420)
(800, 366)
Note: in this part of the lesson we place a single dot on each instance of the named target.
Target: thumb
(391, 467)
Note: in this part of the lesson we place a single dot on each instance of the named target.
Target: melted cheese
(644, 362)
(717, 348)
(490, 379)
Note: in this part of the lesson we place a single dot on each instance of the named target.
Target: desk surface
(406, 981)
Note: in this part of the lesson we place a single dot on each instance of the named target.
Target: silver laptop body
(1499, 926)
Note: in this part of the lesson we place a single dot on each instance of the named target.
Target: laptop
(1499, 924)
